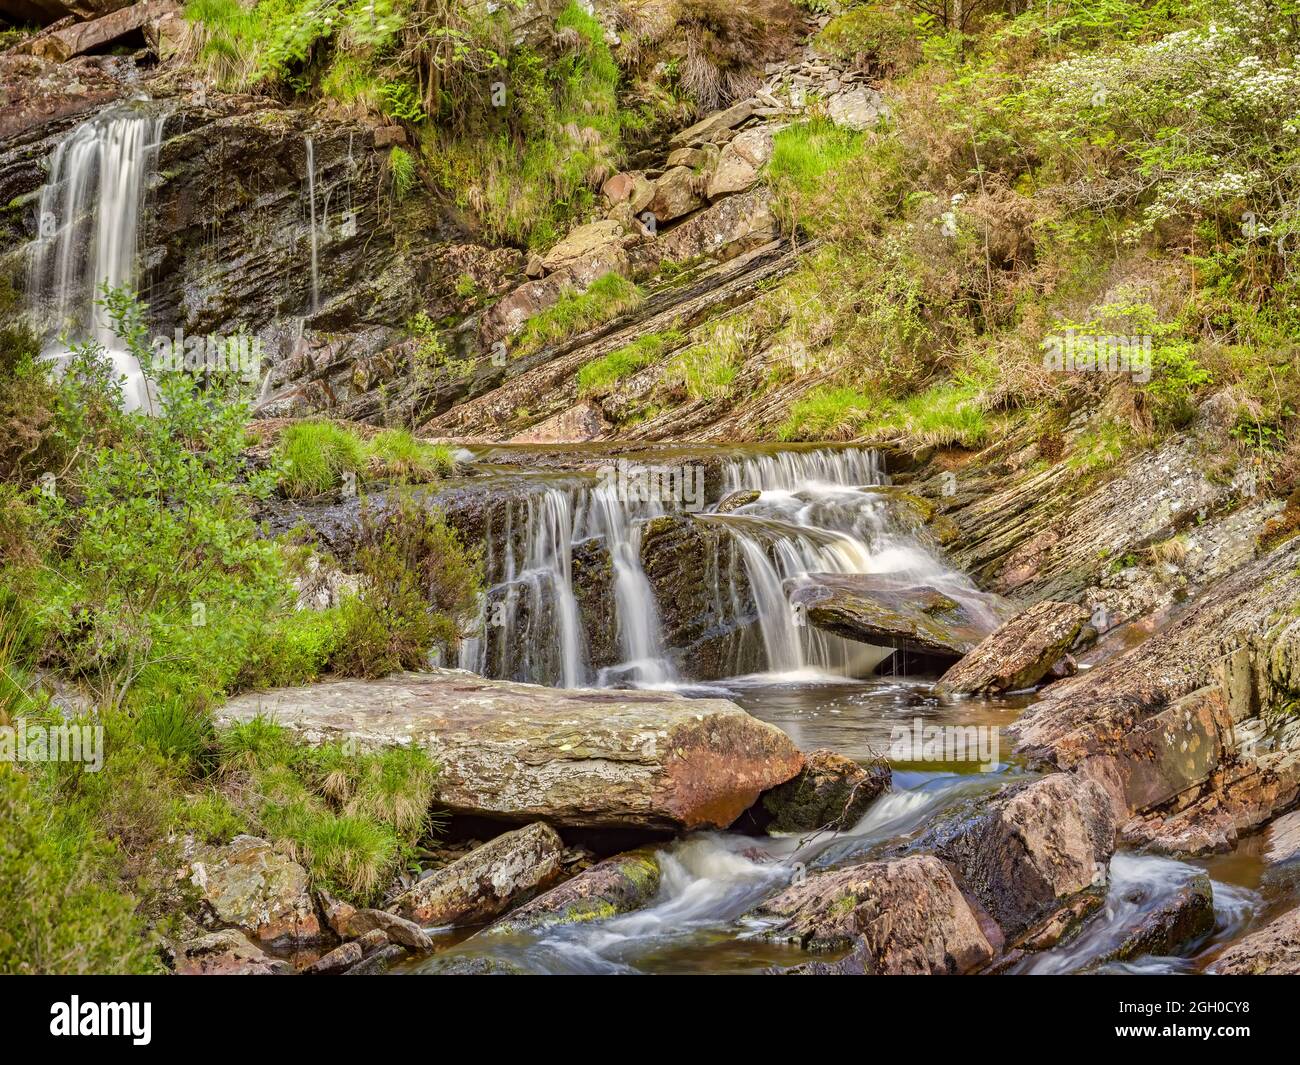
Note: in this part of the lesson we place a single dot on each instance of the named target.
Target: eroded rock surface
(617, 885)
(247, 885)
(487, 881)
(907, 916)
(520, 752)
(1019, 654)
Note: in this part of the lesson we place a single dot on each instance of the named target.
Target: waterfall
(315, 234)
(89, 233)
(814, 514)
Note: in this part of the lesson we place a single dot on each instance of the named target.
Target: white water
(90, 211)
(812, 517)
(315, 233)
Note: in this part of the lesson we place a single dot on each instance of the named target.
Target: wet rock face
(831, 791)
(1019, 654)
(617, 885)
(487, 881)
(881, 610)
(1273, 950)
(247, 885)
(905, 917)
(1033, 849)
(520, 752)
(703, 595)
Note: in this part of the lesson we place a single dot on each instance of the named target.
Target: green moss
(601, 375)
(576, 312)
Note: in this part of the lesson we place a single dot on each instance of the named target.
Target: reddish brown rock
(248, 885)
(1019, 653)
(906, 916)
(521, 752)
(225, 953)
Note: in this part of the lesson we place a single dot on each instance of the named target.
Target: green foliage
(57, 916)
(575, 312)
(600, 375)
(707, 369)
(313, 456)
(944, 415)
(805, 156)
(397, 455)
(402, 167)
(419, 585)
(882, 39)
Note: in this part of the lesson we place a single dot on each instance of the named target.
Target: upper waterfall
(88, 234)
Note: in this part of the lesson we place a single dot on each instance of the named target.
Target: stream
(817, 511)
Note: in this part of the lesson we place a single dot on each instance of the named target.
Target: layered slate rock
(903, 916)
(617, 885)
(521, 752)
(487, 881)
(1019, 654)
(831, 791)
(876, 609)
(247, 885)
(1031, 850)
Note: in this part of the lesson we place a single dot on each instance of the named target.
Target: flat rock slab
(1019, 654)
(576, 758)
(882, 610)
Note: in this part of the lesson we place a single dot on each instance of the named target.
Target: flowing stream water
(807, 511)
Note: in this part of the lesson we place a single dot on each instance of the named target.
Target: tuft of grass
(828, 414)
(349, 854)
(314, 455)
(944, 415)
(601, 375)
(575, 312)
(397, 455)
(707, 369)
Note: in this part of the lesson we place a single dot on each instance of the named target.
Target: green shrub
(881, 39)
(57, 916)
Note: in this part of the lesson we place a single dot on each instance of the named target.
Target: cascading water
(88, 239)
(310, 146)
(812, 516)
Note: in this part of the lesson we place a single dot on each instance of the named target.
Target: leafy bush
(418, 586)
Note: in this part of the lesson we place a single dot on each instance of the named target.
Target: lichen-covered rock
(247, 885)
(1031, 849)
(336, 961)
(617, 885)
(1273, 950)
(883, 610)
(489, 880)
(519, 752)
(225, 953)
(676, 193)
(582, 241)
(907, 915)
(831, 791)
(741, 497)
(741, 160)
(1018, 654)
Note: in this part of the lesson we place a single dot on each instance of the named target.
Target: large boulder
(245, 884)
(676, 193)
(883, 610)
(581, 242)
(860, 108)
(631, 187)
(708, 127)
(617, 885)
(1273, 950)
(487, 881)
(831, 791)
(1019, 654)
(1031, 850)
(741, 160)
(906, 916)
(579, 758)
(81, 37)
